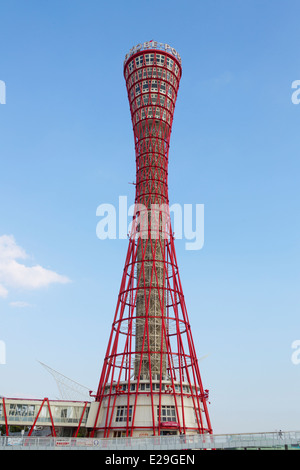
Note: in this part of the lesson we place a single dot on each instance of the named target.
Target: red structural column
(5, 417)
(37, 416)
(80, 421)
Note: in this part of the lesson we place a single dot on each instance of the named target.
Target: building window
(121, 414)
(119, 434)
(167, 413)
(20, 410)
(139, 61)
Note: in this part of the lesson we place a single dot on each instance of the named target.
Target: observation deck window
(170, 63)
(160, 59)
(130, 66)
(137, 90)
(139, 61)
(149, 58)
(154, 85)
(154, 98)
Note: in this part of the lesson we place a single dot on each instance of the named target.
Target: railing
(158, 443)
(19, 420)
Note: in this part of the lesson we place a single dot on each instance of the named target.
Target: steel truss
(151, 353)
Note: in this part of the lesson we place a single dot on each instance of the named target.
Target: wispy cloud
(3, 292)
(19, 304)
(14, 274)
(223, 79)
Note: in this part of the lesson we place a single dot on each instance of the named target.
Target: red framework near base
(150, 382)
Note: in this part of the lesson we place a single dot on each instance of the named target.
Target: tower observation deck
(150, 382)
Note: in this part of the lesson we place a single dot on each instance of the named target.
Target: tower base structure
(159, 419)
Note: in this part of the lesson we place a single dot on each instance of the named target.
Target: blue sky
(67, 147)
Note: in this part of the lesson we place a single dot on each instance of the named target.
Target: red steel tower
(150, 382)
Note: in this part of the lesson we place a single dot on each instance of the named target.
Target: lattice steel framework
(150, 379)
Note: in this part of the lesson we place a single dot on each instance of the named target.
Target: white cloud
(19, 304)
(14, 274)
(3, 292)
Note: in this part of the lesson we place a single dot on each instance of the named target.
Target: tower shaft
(151, 194)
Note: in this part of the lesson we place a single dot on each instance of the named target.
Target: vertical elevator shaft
(151, 194)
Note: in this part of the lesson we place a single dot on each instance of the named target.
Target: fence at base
(170, 443)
